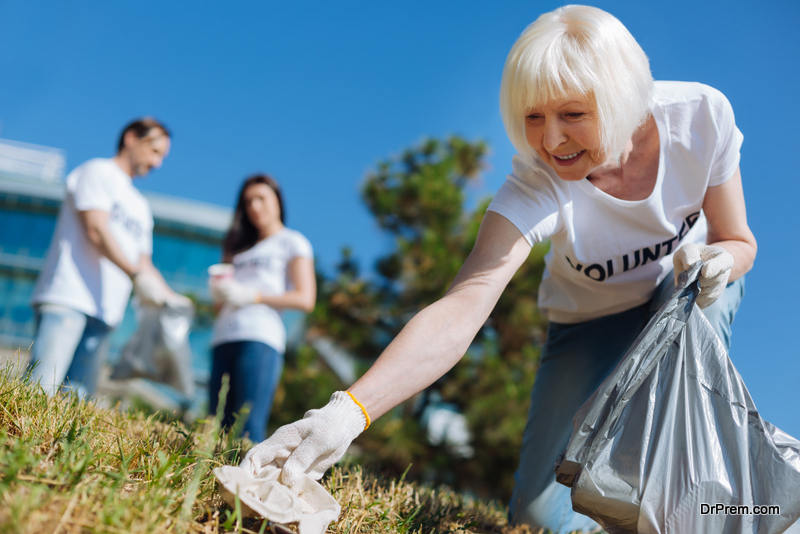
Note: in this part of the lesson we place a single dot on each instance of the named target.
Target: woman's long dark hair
(243, 234)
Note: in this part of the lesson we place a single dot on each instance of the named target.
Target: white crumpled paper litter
(307, 503)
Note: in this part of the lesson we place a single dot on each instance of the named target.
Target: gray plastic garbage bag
(159, 349)
(672, 437)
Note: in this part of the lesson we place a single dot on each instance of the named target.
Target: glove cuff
(355, 412)
(363, 410)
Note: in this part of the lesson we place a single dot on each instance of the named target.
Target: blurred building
(186, 240)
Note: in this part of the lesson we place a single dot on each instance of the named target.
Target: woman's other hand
(731, 247)
(234, 293)
(312, 444)
(717, 265)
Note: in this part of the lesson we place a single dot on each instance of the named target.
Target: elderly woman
(627, 178)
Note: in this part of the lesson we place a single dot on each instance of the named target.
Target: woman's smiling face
(565, 133)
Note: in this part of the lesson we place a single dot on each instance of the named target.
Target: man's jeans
(575, 360)
(69, 348)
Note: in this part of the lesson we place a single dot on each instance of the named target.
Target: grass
(68, 466)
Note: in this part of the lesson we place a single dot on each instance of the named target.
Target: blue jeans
(254, 369)
(68, 349)
(575, 360)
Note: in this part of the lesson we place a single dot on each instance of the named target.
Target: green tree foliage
(419, 200)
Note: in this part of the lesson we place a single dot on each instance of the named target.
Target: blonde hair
(578, 50)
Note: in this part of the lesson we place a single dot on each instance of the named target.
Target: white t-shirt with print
(264, 267)
(75, 273)
(608, 255)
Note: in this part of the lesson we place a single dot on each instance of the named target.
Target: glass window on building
(26, 235)
(185, 259)
(16, 315)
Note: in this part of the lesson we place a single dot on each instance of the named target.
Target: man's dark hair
(142, 128)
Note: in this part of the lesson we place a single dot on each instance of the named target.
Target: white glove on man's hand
(312, 444)
(717, 265)
(234, 293)
(176, 300)
(149, 288)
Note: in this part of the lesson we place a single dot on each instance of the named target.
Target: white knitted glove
(178, 301)
(149, 289)
(717, 265)
(235, 293)
(312, 444)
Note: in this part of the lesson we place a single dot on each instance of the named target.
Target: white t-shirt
(264, 267)
(75, 273)
(608, 255)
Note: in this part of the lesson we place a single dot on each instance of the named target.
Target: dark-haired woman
(273, 270)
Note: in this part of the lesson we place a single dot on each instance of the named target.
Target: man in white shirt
(101, 249)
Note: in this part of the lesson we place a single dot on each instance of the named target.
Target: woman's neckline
(612, 184)
(272, 234)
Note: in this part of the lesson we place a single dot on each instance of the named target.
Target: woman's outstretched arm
(438, 336)
(429, 345)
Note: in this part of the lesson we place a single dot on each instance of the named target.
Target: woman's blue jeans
(575, 360)
(255, 370)
(68, 350)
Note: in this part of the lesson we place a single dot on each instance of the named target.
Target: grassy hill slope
(68, 466)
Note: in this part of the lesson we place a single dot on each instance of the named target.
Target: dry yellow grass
(68, 466)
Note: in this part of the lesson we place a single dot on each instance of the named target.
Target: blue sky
(316, 93)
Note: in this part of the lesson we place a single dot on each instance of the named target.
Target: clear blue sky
(317, 92)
